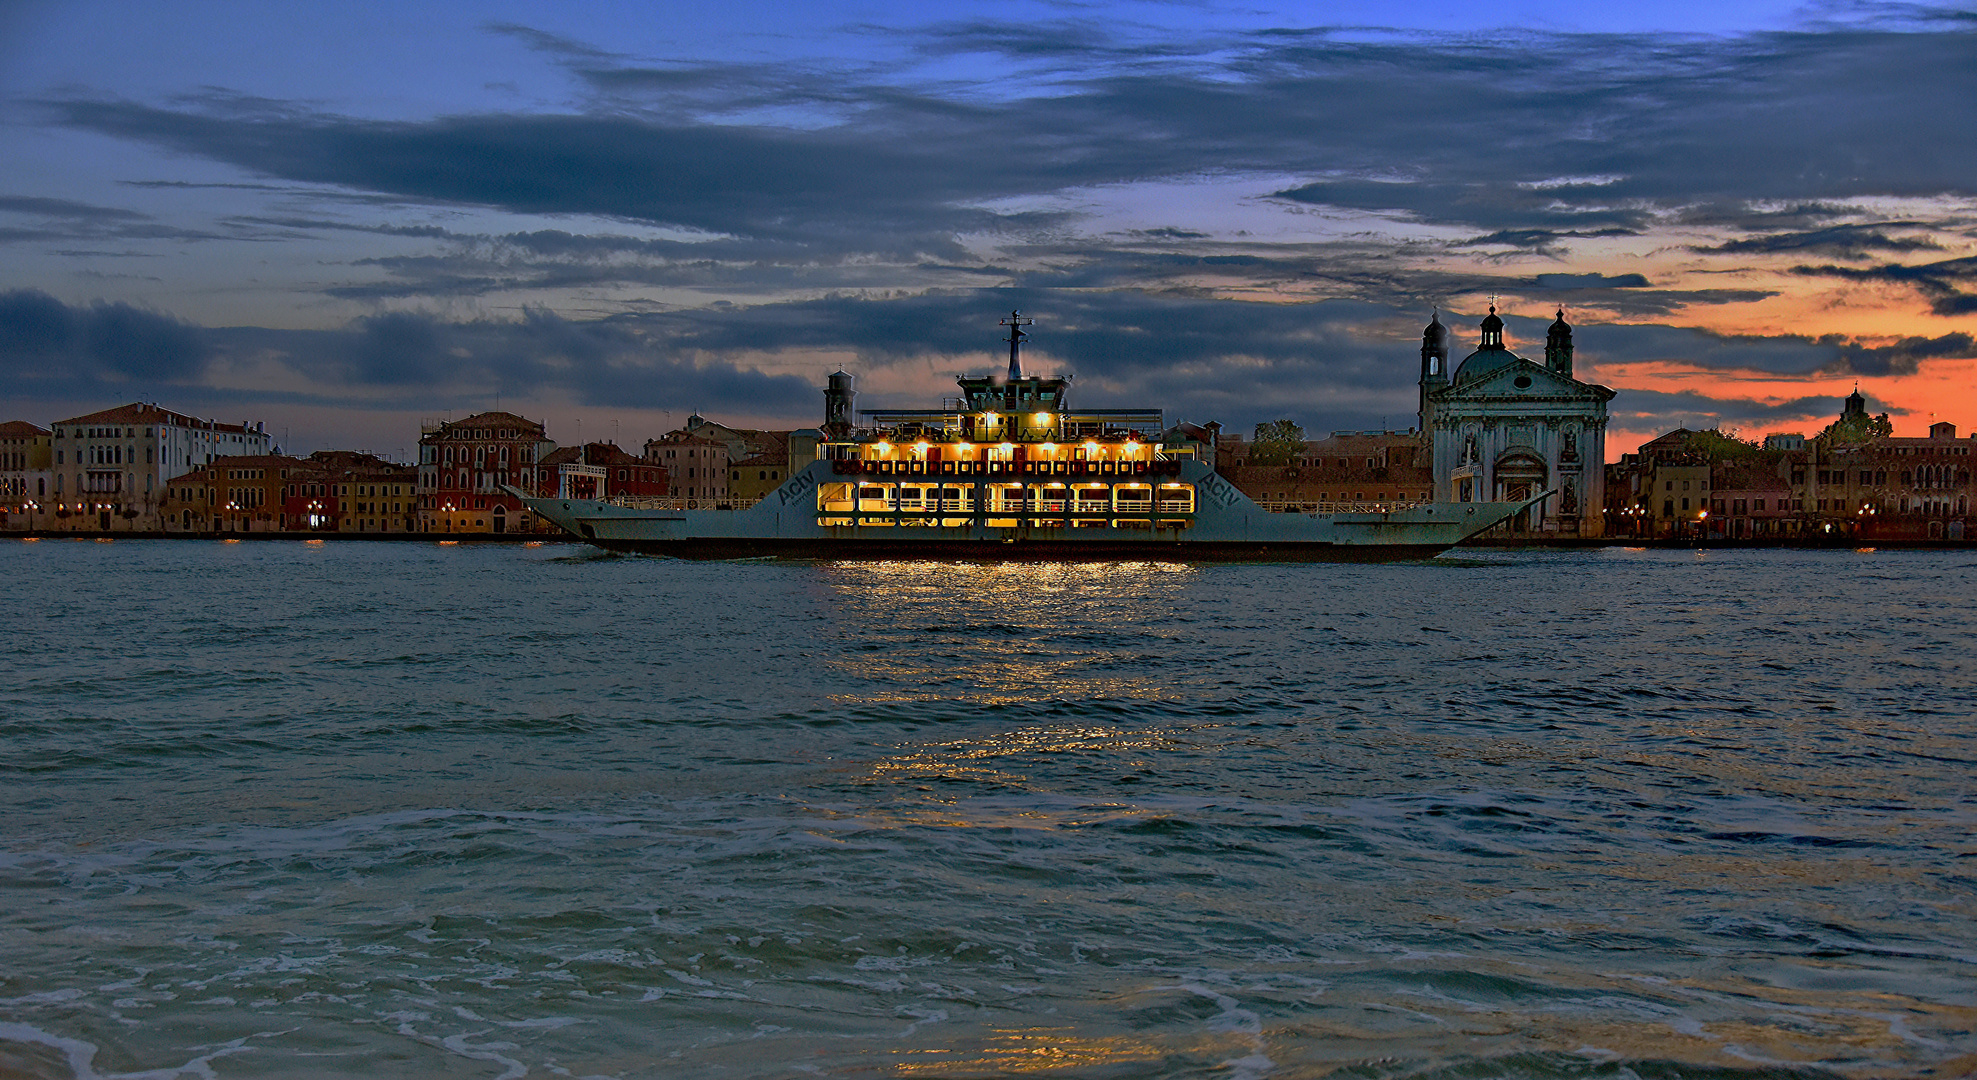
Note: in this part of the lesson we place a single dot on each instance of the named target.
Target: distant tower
(1558, 346)
(1492, 331)
(1856, 406)
(838, 399)
(1015, 322)
(1434, 363)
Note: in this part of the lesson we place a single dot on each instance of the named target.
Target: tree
(1856, 428)
(1715, 446)
(1277, 443)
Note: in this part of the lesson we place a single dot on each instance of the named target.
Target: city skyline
(343, 222)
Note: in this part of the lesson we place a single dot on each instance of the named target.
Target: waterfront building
(1500, 427)
(600, 470)
(111, 467)
(696, 465)
(753, 477)
(1751, 501)
(1884, 486)
(465, 467)
(1348, 468)
(1662, 489)
(26, 453)
(233, 494)
(348, 491)
(740, 442)
(1854, 481)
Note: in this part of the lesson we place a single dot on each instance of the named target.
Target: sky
(346, 220)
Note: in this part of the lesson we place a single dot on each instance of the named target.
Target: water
(275, 809)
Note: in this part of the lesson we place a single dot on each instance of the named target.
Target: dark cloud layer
(1839, 241)
(1331, 364)
(42, 338)
(1943, 284)
(1523, 138)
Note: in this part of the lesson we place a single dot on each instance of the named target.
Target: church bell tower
(1434, 364)
(1558, 346)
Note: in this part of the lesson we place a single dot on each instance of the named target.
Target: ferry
(1009, 471)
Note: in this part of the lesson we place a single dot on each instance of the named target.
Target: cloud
(1654, 412)
(64, 209)
(65, 220)
(1939, 282)
(43, 340)
(1839, 241)
(1787, 355)
(1902, 357)
(1591, 281)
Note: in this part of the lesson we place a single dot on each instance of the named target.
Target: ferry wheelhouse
(1011, 454)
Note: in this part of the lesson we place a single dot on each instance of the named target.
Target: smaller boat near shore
(1009, 471)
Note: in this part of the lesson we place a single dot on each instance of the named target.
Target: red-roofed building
(346, 491)
(234, 494)
(111, 467)
(465, 466)
(600, 470)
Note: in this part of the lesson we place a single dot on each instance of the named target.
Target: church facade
(1502, 428)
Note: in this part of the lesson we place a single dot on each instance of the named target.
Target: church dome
(1483, 361)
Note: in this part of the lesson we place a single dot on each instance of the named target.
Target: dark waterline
(411, 810)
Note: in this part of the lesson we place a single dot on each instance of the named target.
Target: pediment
(1525, 378)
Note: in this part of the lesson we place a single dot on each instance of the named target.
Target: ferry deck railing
(1292, 507)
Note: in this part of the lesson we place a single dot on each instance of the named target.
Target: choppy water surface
(277, 809)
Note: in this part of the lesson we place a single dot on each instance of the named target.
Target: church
(1501, 428)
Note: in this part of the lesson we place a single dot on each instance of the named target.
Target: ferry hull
(970, 550)
(1221, 525)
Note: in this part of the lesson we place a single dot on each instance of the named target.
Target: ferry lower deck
(1143, 495)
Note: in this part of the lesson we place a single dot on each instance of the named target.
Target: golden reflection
(1006, 757)
(1039, 1050)
(974, 634)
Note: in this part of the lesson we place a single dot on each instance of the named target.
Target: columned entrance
(1520, 474)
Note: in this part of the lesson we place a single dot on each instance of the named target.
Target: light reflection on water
(1003, 634)
(512, 811)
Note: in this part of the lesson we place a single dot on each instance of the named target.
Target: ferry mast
(1015, 322)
